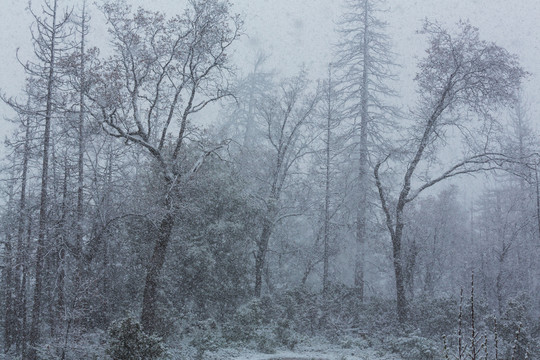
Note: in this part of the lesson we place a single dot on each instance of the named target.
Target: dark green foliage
(129, 342)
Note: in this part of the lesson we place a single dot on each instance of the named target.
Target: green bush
(514, 330)
(127, 341)
(435, 317)
(351, 342)
(265, 340)
(301, 308)
(206, 337)
(254, 322)
(247, 319)
(285, 335)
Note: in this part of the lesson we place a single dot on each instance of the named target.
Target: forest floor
(313, 352)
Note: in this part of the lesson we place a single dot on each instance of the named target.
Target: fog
(269, 180)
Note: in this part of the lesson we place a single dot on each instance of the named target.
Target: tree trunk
(409, 265)
(326, 251)
(362, 173)
(62, 238)
(80, 154)
(149, 318)
(537, 200)
(402, 307)
(107, 279)
(260, 256)
(24, 333)
(9, 307)
(22, 250)
(395, 227)
(36, 308)
(326, 239)
(248, 135)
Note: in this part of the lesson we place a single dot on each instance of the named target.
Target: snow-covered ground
(313, 352)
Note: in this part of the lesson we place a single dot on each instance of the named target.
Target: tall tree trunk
(9, 306)
(260, 256)
(362, 165)
(22, 249)
(106, 280)
(62, 238)
(409, 267)
(38, 287)
(326, 238)
(402, 307)
(149, 318)
(248, 135)
(250, 120)
(52, 258)
(537, 199)
(395, 227)
(24, 333)
(80, 152)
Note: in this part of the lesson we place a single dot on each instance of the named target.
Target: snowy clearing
(322, 352)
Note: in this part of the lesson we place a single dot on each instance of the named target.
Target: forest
(161, 201)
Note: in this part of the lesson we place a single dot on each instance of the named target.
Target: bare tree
(16, 218)
(22, 242)
(333, 144)
(164, 71)
(9, 275)
(460, 76)
(255, 85)
(285, 116)
(520, 142)
(82, 90)
(365, 57)
(49, 33)
(327, 180)
(240, 116)
(435, 231)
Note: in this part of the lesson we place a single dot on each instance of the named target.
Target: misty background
(266, 210)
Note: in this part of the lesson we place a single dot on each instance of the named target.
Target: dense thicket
(136, 210)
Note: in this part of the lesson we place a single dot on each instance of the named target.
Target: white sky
(299, 32)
